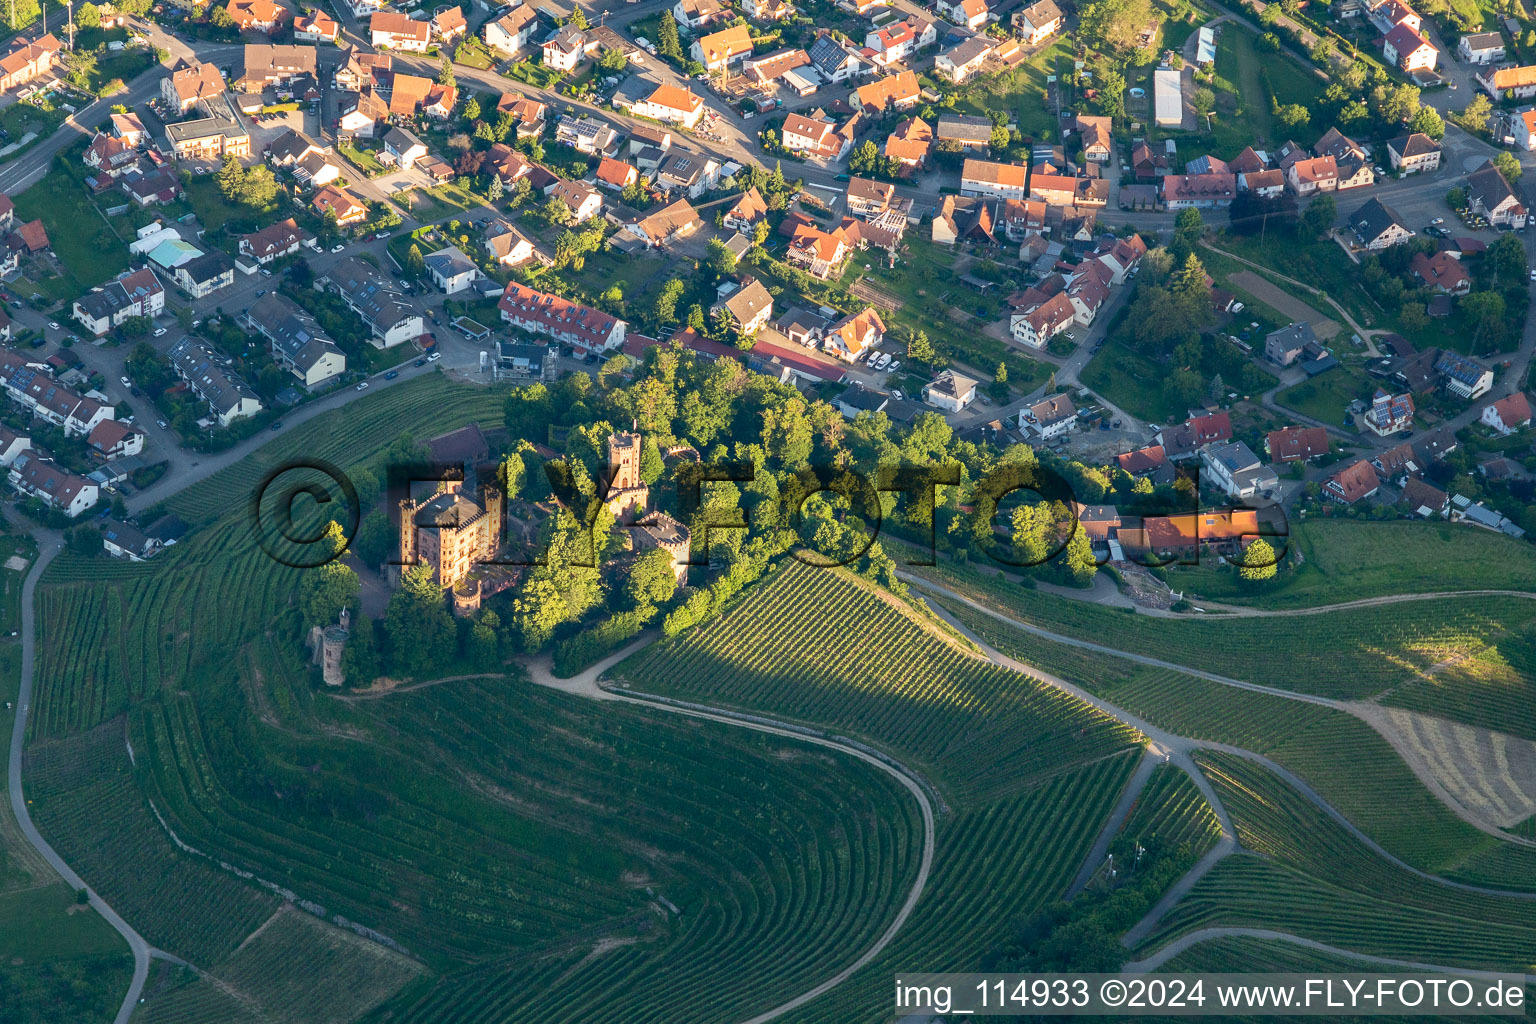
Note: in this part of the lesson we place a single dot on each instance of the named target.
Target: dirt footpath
(1266, 291)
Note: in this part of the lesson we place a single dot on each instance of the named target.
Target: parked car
(159, 332)
(392, 374)
(53, 325)
(162, 424)
(420, 362)
(277, 425)
(434, 357)
(362, 385)
(338, 247)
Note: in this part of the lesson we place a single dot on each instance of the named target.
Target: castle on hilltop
(451, 532)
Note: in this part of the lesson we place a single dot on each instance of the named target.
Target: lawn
(439, 202)
(363, 159)
(1021, 92)
(80, 235)
(530, 73)
(1131, 381)
(1251, 80)
(1323, 264)
(473, 54)
(1345, 560)
(214, 211)
(20, 118)
(123, 66)
(1326, 397)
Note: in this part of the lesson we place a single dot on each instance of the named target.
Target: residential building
(971, 14)
(1413, 153)
(852, 336)
(582, 328)
(676, 220)
(1037, 22)
(220, 131)
(1237, 470)
(671, 105)
(834, 61)
(376, 299)
(695, 14)
(273, 66)
(296, 340)
(519, 362)
(338, 202)
(1481, 48)
(55, 486)
(507, 244)
(746, 212)
(403, 148)
(129, 128)
(512, 32)
(964, 60)
(692, 174)
(1048, 419)
(1441, 272)
(566, 48)
(209, 378)
(996, 181)
(121, 540)
(1408, 51)
(1508, 415)
(720, 49)
(950, 391)
(1424, 499)
(868, 198)
(27, 60)
(819, 138)
(1490, 194)
(1199, 191)
(1508, 82)
(396, 31)
(109, 155)
(856, 399)
(893, 92)
(527, 114)
(892, 42)
(1378, 226)
(257, 15)
(1353, 483)
(1464, 376)
(449, 26)
(747, 304)
(1388, 414)
(964, 132)
(1312, 174)
(135, 293)
(767, 10)
(316, 26)
(206, 274)
(616, 175)
(451, 270)
(1037, 325)
(273, 242)
(1097, 137)
(1296, 444)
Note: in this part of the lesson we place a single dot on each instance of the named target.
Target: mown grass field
(1307, 876)
(1347, 560)
(84, 242)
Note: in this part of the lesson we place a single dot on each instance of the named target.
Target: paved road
(49, 545)
(585, 684)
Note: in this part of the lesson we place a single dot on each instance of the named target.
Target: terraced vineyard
(1378, 792)
(817, 646)
(1313, 879)
(1171, 813)
(84, 800)
(1493, 687)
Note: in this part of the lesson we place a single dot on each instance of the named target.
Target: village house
(53, 485)
(1413, 153)
(507, 245)
(565, 48)
(950, 391)
(676, 220)
(203, 275)
(1312, 174)
(1237, 471)
(818, 138)
(821, 253)
(276, 67)
(1037, 325)
(1049, 418)
(512, 32)
(745, 214)
(337, 202)
(834, 61)
(527, 114)
(28, 60)
(220, 131)
(720, 49)
(449, 26)
(1296, 444)
(909, 145)
(1508, 415)
(616, 175)
(962, 61)
(584, 201)
(1441, 272)
(1037, 22)
(868, 198)
(1490, 194)
(671, 105)
(402, 148)
(971, 14)
(395, 31)
(1464, 377)
(995, 180)
(695, 14)
(274, 242)
(853, 335)
(1199, 191)
(1353, 483)
(1377, 226)
(1388, 414)
(746, 304)
(1481, 48)
(451, 270)
(112, 439)
(257, 15)
(1096, 134)
(1404, 48)
(1508, 81)
(894, 92)
(586, 135)
(316, 27)
(691, 174)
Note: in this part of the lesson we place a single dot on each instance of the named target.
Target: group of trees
(255, 187)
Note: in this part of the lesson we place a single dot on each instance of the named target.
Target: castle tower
(408, 532)
(466, 597)
(333, 641)
(624, 461)
(494, 503)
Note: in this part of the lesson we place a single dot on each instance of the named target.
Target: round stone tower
(333, 640)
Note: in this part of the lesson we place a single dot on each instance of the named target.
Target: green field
(214, 211)
(81, 238)
(1132, 382)
(1307, 876)
(1326, 397)
(1171, 813)
(1347, 560)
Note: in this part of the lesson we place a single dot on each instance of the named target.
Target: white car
(434, 357)
(159, 332)
(895, 365)
(883, 361)
(126, 382)
(53, 325)
(265, 272)
(363, 386)
(338, 247)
